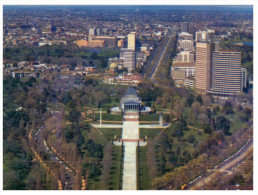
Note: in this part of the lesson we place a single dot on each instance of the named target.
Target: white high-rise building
(131, 41)
(92, 32)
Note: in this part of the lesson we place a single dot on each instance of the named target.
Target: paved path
(130, 131)
(129, 174)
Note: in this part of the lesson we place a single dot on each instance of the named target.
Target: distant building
(129, 60)
(92, 31)
(82, 43)
(185, 45)
(202, 36)
(182, 70)
(226, 73)
(25, 75)
(184, 56)
(131, 41)
(120, 43)
(108, 41)
(217, 46)
(203, 66)
(96, 43)
(98, 32)
(243, 78)
(190, 83)
(47, 29)
(185, 27)
(185, 36)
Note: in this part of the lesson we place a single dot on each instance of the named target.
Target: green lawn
(149, 132)
(149, 117)
(143, 179)
(109, 117)
(115, 173)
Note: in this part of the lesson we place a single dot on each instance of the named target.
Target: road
(225, 167)
(163, 48)
(158, 62)
(42, 146)
(158, 55)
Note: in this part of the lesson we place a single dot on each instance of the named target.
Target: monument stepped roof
(131, 91)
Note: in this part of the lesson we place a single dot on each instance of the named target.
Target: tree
(195, 109)
(227, 108)
(179, 108)
(207, 129)
(207, 100)
(199, 99)
(204, 118)
(74, 115)
(190, 139)
(189, 100)
(223, 124)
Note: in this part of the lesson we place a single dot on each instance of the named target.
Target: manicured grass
(115, 174)
(143, 179)
(149, 117)
(149, 132)
(109, 117)
(110, 133)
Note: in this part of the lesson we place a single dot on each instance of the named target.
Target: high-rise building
(185, 27)
(131, 41)
(185, 45)
(98, 32)
(202, 36)
(226, 78)
(129, 60)
(92, 31)
(203, 66)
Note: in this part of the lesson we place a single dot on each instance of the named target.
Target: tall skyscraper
(129, 60)
(226, 73)
(131, 41)
(185, 27)
(98, 32)
(203, 66)
(92, 31)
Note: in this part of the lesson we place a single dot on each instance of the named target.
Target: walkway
(130, 132)
(129, 174)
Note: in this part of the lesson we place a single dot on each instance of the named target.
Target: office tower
(185, 45)
(98, 32)
(185, 27)
(47, 29)
(203, 66)
(202, 36)
(92, 32)
(131, 41)
(226, 73)
(129, 60)
(243, 78)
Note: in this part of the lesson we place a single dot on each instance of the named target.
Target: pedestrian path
(129, 173)
(130, 132)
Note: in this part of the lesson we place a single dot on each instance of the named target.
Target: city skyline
(128, 97)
